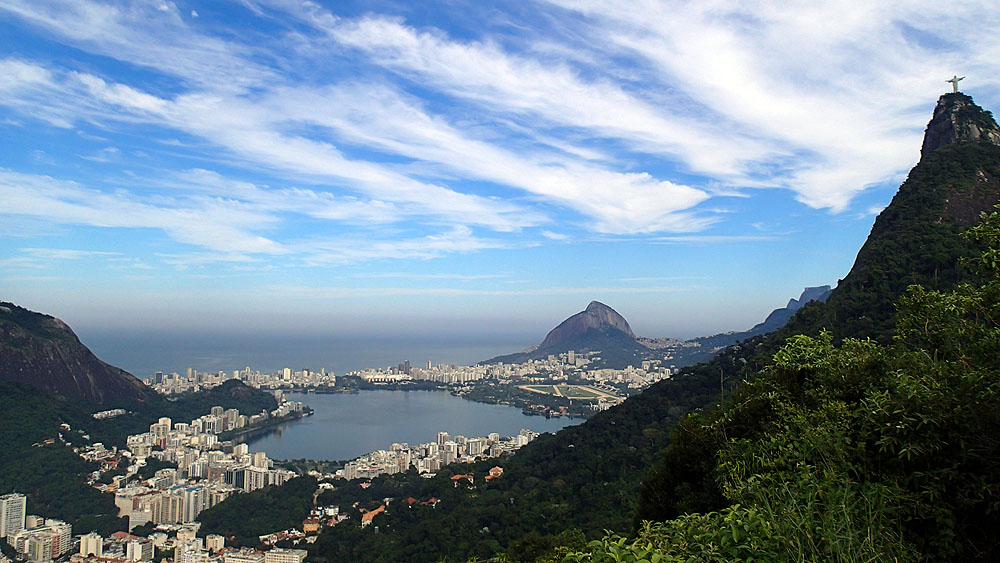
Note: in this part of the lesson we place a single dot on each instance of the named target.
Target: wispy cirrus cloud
(227, 229)
(457, 240)
(841, 87)
(251, 132)
(67, 253)
(547, 90)
(255, 116)
(211, 223)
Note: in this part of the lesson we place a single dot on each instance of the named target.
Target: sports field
(584, 392)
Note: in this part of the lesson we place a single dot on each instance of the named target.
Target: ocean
(144, 353)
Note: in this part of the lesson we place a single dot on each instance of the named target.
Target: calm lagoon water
(347, 426)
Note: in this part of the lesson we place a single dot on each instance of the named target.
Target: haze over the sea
(458, 171)
(144, 353)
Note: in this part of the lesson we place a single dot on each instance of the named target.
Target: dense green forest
(862, 451)
(51, 475)
(242, 518)
(917, 239)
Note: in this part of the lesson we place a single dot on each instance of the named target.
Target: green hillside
(589, 477)
(857, 452)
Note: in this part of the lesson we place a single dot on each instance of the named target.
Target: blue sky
(457, 168)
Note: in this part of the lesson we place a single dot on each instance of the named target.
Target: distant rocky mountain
(597, 328)
(779, 317)
(601, 328)
(703, 348)
(597, 315)
(42, 351)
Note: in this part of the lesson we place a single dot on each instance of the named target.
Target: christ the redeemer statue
(954, 83)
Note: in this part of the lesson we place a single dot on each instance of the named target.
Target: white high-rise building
(92, 544)
(12, 511)
(215, 543)
(280, 555)
(139, 550)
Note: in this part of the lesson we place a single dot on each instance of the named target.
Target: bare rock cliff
(42, 351)
(958, 119)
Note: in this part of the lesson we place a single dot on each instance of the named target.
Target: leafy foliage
(916, 240)
(242, 518)
(860, 451)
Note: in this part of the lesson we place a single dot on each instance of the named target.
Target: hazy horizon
(428, 171)
(143, 351)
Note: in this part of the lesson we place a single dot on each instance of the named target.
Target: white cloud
(67, 253)
(458, 239)
(555, 236)
(210, 223)
(615, 202)
(254, 132)
(227, 229)
(546, 90)
(452, 134)
(835, 84)
(140, 33)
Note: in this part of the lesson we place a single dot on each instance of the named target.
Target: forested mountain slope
(589, 476)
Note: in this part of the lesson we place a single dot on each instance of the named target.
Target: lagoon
(345, 426)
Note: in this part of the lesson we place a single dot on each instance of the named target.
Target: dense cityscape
(167, 476)
(600, 388)
(336, 227)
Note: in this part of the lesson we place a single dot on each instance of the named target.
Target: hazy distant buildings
(171, 383)
(431, 456)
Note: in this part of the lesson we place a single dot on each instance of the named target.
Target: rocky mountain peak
(958, 119)
(597, 315)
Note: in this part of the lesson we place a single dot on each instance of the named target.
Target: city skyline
(453, 172)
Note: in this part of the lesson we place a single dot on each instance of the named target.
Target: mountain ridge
(917, 238)
(43, 351)
(587, 476)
